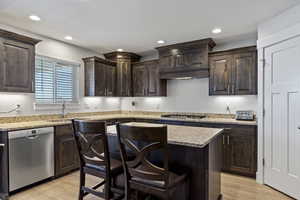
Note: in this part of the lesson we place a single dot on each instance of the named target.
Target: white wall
(279, 22)
(60, 50)
(192, 95)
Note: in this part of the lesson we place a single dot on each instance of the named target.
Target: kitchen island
(197, 149)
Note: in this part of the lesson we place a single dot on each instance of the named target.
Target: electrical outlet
(18, 108)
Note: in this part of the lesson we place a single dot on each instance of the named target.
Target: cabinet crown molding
(99, 60)
(17, 37)
(114, 56)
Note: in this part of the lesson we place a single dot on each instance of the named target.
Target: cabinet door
(226, 151)
(241, 153)
(66, 153)
(4, 188)
(220, 75)
(139, 80)
(110, 80)
(124, 78)
(153, 85)
(17, 66)
(244, 73)
(100, 79)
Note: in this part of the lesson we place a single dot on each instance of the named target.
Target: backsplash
(191, 96)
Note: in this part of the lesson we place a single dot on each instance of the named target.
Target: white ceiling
(136, 25)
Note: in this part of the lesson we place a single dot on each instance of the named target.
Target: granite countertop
(49, 123)
(181, 135)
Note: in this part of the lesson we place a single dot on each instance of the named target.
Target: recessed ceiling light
(216, 30)
(34, 18)
(120, 50)
(161, 42)
(68, 37)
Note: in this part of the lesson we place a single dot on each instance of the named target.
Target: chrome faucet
(63, 111)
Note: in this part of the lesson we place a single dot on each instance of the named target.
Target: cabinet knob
(298, 127)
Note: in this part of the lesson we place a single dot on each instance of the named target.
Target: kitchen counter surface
(193, 136)
(49, 123)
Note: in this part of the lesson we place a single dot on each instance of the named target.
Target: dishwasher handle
(32, 137)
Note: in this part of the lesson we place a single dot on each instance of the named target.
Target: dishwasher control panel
(30, 132)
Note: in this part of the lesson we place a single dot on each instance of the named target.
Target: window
(55, 80)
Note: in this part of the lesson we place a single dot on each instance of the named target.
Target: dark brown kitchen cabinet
(124, 62)
(220, 75)
(146, 80)
(66, 153)
(189, 59)
(100, 77)
(124, 82)
(4, 188)
(17, 62)
(240, 151)
(233, 72)
(139, 80)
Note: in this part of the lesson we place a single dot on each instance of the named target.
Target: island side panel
(195, 161)
(214, 168)
(4, 166)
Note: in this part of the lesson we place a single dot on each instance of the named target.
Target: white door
(282, 117)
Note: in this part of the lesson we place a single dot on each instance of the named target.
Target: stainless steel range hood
(185, 60)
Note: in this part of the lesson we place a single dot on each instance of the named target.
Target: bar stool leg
(82, 184)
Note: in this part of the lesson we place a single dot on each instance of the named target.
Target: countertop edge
(50, 124)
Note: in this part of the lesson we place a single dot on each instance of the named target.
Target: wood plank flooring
(66, 188)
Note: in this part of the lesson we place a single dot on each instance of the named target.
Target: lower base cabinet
(66, 153)
(240, 151)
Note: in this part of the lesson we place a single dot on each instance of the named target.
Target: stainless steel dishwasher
(31, 156)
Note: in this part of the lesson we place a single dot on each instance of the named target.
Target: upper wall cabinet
(124, 61)
(17, 62)
(100, 77)
(233, 72)
(146, 81)
(189, 59)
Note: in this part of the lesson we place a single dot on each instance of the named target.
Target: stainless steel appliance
(247, 115)
(31, 156)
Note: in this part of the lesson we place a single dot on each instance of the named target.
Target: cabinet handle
(228, 89)
(228, 140)
(223, 139)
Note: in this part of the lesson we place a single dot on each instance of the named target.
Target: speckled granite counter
(193, 136)
(49, 123)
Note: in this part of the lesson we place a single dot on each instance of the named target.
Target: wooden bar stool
(140, 173)
(92, 144)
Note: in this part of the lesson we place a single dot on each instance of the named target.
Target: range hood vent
(185, 60)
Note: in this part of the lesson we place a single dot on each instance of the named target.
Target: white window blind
(54, 80)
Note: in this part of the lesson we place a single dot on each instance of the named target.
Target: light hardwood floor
(66, 188)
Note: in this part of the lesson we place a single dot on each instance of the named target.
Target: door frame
(286, 34)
